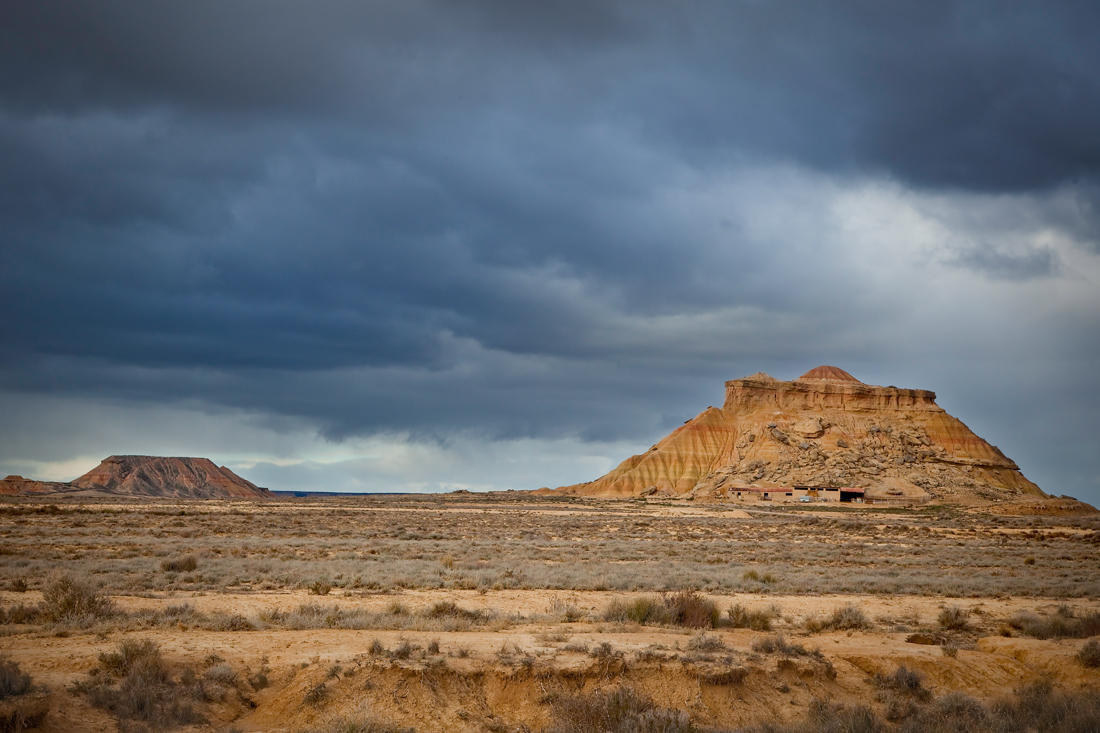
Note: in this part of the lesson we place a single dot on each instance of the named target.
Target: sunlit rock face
(824, 429)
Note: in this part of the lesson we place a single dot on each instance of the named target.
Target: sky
(422, 246)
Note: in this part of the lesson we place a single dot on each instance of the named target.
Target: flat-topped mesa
(825, 430)
(823, 387)
(184, 477)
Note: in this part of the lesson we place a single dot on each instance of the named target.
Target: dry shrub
(954, 618)
(13, 681)
(230, 622)
(404, 650)
(565, 610)
(1039, 707)
(844, 618)
(135, 683)
(692, 609)
(68, 600)
(951, 713)
(703, 642)
(316, 694)
(1089, 654)
(620, 710)
(905, 681)
(731, 676)
(179, 564)
(320, 588)
(828, 718)
(684, 608)
(1063, 624)
(644, 610)
(449, 609)
(1035, 707)
(778, 644)
(759, 620)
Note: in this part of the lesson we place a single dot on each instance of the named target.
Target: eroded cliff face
(824, 429)
(197, 478)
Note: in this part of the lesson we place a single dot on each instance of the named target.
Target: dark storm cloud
(515, 218)
(963, 93)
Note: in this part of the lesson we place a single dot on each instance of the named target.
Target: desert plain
(516, 612)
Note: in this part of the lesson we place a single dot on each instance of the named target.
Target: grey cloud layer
(541, 219)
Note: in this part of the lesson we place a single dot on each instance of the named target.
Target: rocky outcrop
(824, 429)
(19, 486)
(194, 478)
(190, 478)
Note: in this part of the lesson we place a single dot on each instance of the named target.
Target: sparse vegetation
(406, 568)
(320, 588)
(619, 710)
(184, 564)
(290, 549)
(846, 617)
(316, 694)
(1034, 707)
(757, 620)
(1064, 623)
(1089, 654)
(13, 681)
(75, 602)
(135, 683)
(954, 618)
(684, 608)
(778, 644)
(904, 680)
(703, 642)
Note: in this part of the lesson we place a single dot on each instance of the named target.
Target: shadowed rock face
(824, 429)
(196, 478)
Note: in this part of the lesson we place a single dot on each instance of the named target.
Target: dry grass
(355, 552)
(619, 710)
(1061, 625)
(135, 683)
(1089, 654)
(67, 600)
(687, 608)
(778, 644)
(954, 618)
(1034, 707)
(361, 543)
(845, 618)
(179, 564)
(757, 620)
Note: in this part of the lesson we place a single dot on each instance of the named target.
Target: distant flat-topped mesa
(153, 476)
(824, 436)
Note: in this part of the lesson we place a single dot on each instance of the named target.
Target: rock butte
(193, 478)
(825, 429)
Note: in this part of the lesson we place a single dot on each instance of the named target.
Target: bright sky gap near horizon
(423, 246)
